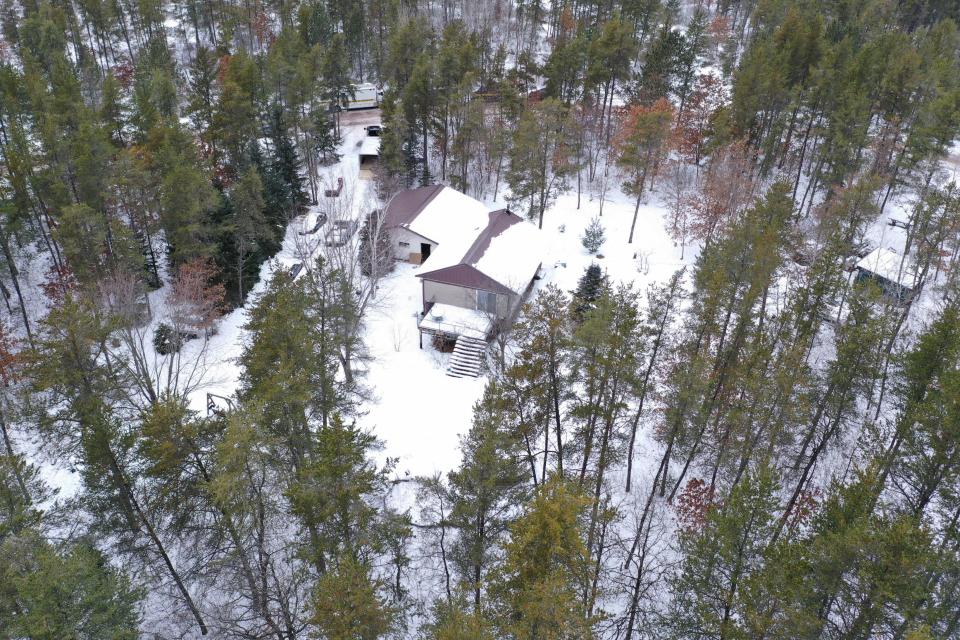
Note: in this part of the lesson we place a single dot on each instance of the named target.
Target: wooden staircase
(467, 357)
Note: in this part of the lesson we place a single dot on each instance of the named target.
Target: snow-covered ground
(415, 408)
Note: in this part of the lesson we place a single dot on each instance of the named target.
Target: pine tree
(732, 279)
(243, 498)
(398, 151)
(660, 65)
(610, 55)
(22, 490)
(455, 620)
(335, 71)
(347, 605)
(567, 63)
(454, 81)
(593, 236)
(186, 201)
(489, 482)
(113, 114)
(325, 139)
(855, 574)
(202, 99)
(290, 365)
(541, 160)
(235, 124)
(84, 425)
(65, 591)
(538, 377)
(589, 289)
(722, 547)
(418, 102)
(248, 227)
(287, 166)
(694, 41)
(640, 146)
(332, 493)
(315, 24)
(94, 246)
(536, 589)
(921, 455)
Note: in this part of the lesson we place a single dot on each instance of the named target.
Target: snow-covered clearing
(415, 408)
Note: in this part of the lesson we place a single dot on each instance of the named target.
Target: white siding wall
(399, 235)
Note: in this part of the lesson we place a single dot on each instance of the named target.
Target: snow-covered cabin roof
(493, 250)
(889, 265)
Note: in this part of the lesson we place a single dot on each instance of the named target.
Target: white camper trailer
(365, 96)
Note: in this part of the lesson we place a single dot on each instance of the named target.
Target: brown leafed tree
(678, 183)
(726, 189)
(693, 122)
(10, 360)
(195, 299)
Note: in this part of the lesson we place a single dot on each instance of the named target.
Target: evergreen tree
(660, 65)
(70, 368)
(70, 591)
(287, 166)
(484, 492)
(640, 146)
(335, 71)
(325, 139)
(541, 160)
(538, 375)
(290, 364)
(455, 620)
(418, 101)
(249, 227)
(202, 99)
(398, 151)
(536, 589)
(347, 605)
(593, 236)
(694, 41)
(113, 112)
(186, 201)
(722, 546)
(855, 574)
(567, 63)
(589, 289)
(715, 352)
(332, 495)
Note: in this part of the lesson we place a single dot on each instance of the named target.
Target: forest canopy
(765, 444)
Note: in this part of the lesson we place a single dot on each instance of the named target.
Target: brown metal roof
(499, 221)
(406, 205)
(404, 208)
(465, 275)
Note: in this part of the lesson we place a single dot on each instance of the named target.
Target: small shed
(369, 156)
(890, 271)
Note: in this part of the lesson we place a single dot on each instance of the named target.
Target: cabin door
(424, 252)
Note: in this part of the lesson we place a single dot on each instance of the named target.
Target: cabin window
(404, 244)
(486, 301)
